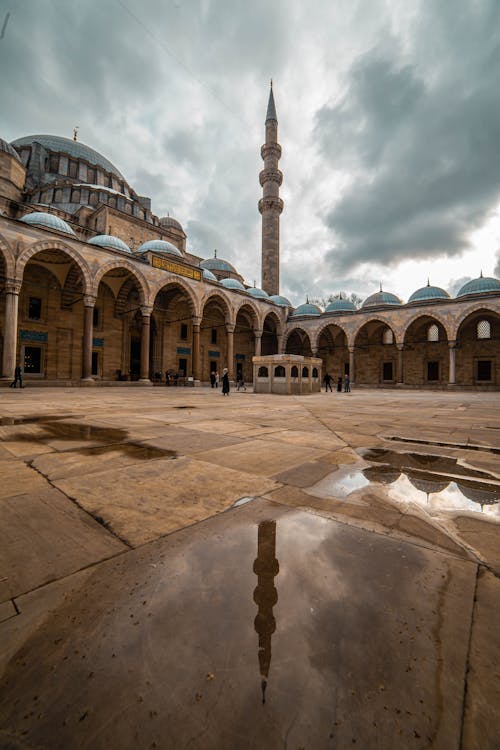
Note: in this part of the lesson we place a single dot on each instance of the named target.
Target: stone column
(400, 348)
(258, 342)
(88, 335)
(146, 311)
(196, 323)
(351, 363)
(279, 336)
(452, 372)
(230, 349)
(12, 289)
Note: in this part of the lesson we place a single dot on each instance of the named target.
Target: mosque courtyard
(182, 570)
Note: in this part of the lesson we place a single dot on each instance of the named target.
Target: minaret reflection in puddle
(265, 567)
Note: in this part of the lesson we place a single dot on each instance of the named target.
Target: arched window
(484, 329)
(433, 333)
(305, 372)
(315, 372)
(294, 372)
(263, 372)
(279, 371)
(388, 336)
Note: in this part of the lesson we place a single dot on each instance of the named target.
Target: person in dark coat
(18, 375)
(347, 384)
(328, 382)
(225, 382)
(212, 379)
(339, 384)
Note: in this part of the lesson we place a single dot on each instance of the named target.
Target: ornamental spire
(271, 108)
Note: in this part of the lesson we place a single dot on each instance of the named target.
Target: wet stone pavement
(257, 572)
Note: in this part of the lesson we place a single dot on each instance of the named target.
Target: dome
(107, 240)
(169, 221)
(47, 221)
(381, 298)
(279, 300)
(76, 149)
(340, 305)
(480, 286)
(158, 246)
(217, 264)
(307, 309)
(6, 148)
(209, 275)
(427, 293)
(257, 293)
(233, 284)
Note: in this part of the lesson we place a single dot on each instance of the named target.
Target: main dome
(480, 286)
(76, 149)
(47, 221)
(427, 293)
(381, 298)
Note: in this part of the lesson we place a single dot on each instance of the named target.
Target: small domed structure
(482, 285)
(47, 221)
(217, 264)
(279, 300)
(169, 221)
(306, 309)
(233, 284)
(208, 275)
(109, 241)
(257, 293)
(158, 246)
(381, 299)
(427, 293)
(340, 305)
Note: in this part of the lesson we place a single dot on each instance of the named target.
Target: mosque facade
(96, 289)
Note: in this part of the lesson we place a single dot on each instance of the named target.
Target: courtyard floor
(183, 570)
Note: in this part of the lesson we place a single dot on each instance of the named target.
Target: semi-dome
(257, 293)
(306, 309)
(233, 284)
(169, 221)
(279, 300)
(6, 148)
(76, 149)
(481, 285)
(209, 275)
(158, 246)
(428, 293)
(108, 240)
(381, 298)
(217, 264)
(47, 221)
(340, 305)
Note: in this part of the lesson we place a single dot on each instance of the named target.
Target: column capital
(196, 320)
(351, 349)
(257, 332)
(89, 300)
(400, 346)
(146, 310)
(452, 344)
(12, 286)
(230, 327)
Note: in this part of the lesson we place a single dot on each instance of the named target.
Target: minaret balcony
(271, 204)
(271, 149)
(271, 175)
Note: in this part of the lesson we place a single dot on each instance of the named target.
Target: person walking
(212, 379)
(347, 384)
(240, 383)
(339, 384)
(328, 382)
(216, 379)
(18, 375)
(225, 382)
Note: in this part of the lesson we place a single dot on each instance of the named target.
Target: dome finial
(307, 299)
(428, 281)
(75, 132)
(215, 253)
(340, 295)
(481, 274)
(380, 286)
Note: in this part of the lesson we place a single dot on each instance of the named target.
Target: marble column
(258, 342)
(196, 323)
(146, 311)
(12, 289)
(230, 349)
(88, 334)
(400, 348)
(351, 363)
(452, 370)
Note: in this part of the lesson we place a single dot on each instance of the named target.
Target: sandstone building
(96, 289)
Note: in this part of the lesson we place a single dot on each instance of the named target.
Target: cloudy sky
(389, 119)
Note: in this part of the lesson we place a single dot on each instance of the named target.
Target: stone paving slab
(364, 643)
(18, 478)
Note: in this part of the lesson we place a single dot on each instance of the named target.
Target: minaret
(271, 205)
(265, 596)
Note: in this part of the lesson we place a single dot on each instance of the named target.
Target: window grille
(484, 329)
(433, 333)
(388, 336)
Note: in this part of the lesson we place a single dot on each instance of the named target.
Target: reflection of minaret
(271, 205)
(265, 567)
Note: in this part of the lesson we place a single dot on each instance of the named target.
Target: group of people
(328, 380)
(214, 381)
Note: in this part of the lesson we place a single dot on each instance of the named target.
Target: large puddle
(437, 483)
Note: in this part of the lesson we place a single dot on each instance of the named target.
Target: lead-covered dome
(306, 309)
(428, 293)
(109, 241)
(47, 221)
(158, 246)
(76, 149)
(257, 293)
(6, 148)
(380, 299)
(340, 305)
(481, 285)
(233, 284)
(208, 275)
(169, 221)
(279, 300)
(217, 264)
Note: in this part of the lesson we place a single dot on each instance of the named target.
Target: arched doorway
(477, 349)
(425, 353)
(298, 342)
(270, 331)
(376, 355)
(213, 336)
(172, 344)
(244, 343)
(332, 348)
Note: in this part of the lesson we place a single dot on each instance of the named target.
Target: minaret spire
(271, 205)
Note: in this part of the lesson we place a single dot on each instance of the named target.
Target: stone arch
(39, 247)
(272, 331)
(250, 304)
(333, 348)
(376, 362)
(425, 362)
(477, 358)
(421, 314)
(373, 319)
(276, 319)
(143, 286)
(8, 257)
(324, 327)
(221, 299)
(181, 284)
(303, 341)
(477, 306)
